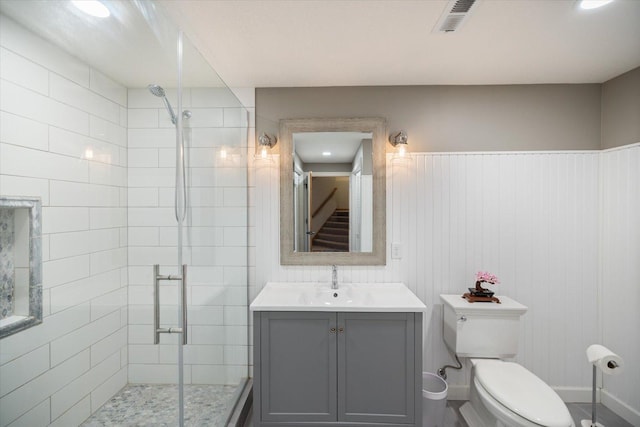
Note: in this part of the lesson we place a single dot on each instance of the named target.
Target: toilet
(502, 393)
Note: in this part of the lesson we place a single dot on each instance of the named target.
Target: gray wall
(621, 110)
(324, 185)
(454, 118)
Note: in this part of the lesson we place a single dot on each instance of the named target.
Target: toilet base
(587, 423)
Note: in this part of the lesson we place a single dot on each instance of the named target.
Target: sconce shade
(400, 141)
(265, 143)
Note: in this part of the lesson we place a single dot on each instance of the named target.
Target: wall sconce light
(265, 144)
(399, 141)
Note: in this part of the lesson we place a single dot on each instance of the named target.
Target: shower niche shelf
(20, 264)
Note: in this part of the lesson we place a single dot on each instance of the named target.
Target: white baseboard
(471, 416)
(622, 409)
(576, 394)
(458, 392)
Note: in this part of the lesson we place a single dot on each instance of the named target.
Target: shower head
(159, 92)
(156, 90)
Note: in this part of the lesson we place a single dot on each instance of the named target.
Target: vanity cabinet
(337, 368)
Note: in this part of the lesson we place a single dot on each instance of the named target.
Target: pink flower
(485, 276)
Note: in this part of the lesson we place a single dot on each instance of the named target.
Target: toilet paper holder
(609, 363)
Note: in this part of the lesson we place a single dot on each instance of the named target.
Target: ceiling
(283, 43)
(135, 46)
(342, 146)
(287, 43)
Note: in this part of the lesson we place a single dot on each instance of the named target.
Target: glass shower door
(215, 242)
(202, 220)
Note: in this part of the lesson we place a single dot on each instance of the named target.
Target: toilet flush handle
(463, 318)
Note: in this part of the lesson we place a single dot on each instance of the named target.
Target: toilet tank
(482, 329)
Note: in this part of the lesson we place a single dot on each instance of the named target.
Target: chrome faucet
(334, 277)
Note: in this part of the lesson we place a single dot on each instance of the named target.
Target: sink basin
(379, 297)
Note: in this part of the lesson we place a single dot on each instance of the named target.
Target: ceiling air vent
(454, 15)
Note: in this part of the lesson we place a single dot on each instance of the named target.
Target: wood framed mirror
(333, 191)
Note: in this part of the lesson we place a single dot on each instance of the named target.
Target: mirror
(332, 191)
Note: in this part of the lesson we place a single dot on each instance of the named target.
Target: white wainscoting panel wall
(531, 218)
(620, 280)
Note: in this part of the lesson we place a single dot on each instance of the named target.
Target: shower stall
(137, 153)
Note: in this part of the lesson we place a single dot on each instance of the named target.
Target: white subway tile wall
(63, 139)
(215, 236)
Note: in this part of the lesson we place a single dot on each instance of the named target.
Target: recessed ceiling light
(92, 7)
(593, 4)
(326, 153)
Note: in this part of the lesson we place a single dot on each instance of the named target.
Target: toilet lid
(522, 392)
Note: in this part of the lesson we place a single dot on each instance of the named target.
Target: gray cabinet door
(298, 367)
(376, 367)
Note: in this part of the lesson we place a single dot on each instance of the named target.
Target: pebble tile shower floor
(156, 405)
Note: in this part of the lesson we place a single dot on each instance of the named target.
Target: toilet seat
(497, 411)
(521, 392)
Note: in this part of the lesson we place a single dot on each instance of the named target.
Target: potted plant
(483, 277)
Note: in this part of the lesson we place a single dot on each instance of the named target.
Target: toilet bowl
(505, 394)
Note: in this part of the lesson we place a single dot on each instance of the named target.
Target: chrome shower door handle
(183, 284)
(157, 330)
(156, 304)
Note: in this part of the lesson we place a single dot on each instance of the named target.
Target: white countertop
(363, 297)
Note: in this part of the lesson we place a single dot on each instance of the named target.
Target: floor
(579, 411)
(206, 406)
(155, 405)
(582, 411)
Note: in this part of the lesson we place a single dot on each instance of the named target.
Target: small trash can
(434, 400)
